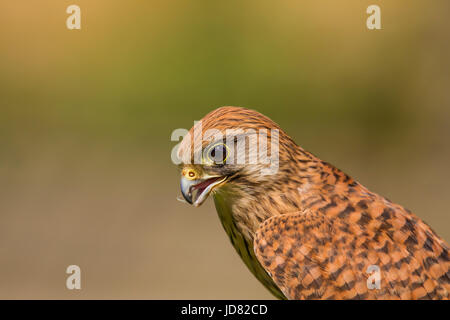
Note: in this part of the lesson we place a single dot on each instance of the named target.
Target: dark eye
(218, 154)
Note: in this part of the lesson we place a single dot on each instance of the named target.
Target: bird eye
(218, 153)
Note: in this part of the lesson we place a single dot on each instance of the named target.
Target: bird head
(234, 149)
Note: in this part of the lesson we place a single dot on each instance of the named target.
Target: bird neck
(303, 183)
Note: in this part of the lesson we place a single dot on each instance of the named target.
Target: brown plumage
(309, 231)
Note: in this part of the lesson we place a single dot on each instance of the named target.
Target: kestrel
(304, 228)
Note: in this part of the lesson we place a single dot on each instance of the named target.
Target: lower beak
(195, 192)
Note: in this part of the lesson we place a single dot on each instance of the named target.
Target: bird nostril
(189, 173)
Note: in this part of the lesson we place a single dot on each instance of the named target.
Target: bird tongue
(199, 188)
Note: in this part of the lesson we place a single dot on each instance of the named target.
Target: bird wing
(310, 256)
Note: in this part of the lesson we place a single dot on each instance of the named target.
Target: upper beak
(186, 186)
(195, 192)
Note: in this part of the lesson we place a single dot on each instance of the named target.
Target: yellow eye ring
(212, 157)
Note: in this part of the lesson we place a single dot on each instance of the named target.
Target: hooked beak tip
(186, 190)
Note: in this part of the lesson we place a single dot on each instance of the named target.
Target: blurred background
(86, 116)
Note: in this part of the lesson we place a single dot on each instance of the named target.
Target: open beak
(195, 192)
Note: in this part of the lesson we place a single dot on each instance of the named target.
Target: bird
(305, 229)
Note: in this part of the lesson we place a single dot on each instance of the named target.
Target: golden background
(86, 117)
